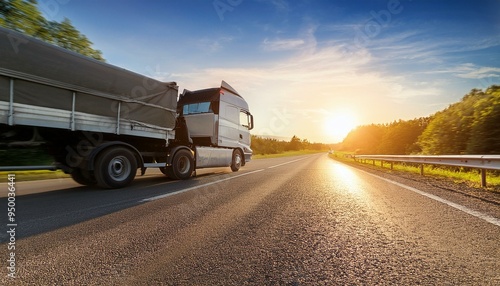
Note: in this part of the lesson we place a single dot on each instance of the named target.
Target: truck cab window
(244, 119)
(196, 108)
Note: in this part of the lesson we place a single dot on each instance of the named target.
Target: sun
(338, 124)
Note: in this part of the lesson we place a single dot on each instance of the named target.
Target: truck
(103, 124)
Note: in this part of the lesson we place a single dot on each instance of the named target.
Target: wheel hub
(119, 168)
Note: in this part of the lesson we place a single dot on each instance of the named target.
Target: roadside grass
(34, 175)
(471, 177)
(287, 154)
(46, 174)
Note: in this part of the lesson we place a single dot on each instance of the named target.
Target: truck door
(246, 124)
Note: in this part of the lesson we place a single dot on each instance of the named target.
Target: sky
(309, 68)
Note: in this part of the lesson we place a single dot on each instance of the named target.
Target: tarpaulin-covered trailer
(47, 86)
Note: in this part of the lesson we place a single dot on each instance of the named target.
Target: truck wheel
(182, 165)
(168, 171)
(83, 177)
(115, 168)
(163, 170)
(237, 160)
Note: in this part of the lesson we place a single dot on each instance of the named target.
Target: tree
(23, 16)
(65, 35)
(485, 132)
(449, 131)
(400, 137)
(265, 146)
(364, 139)
(295, 144)
(469, 126)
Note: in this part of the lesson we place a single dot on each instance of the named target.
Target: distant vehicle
(101, 123)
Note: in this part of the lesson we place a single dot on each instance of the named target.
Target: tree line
(25, 17)
(264, 145)
(470, 126)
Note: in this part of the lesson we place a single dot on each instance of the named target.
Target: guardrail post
(422, 169)
(382, 164)
(392, 165)
(483, 178)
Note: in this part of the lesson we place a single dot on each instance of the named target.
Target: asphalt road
(291, 221)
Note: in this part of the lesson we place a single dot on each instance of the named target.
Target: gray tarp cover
(33, 57)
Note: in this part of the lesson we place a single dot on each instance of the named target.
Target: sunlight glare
(347, 180)
(338, 124)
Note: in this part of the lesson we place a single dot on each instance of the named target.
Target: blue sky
(306, 67)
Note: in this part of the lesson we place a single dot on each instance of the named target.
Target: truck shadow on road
(43, 212)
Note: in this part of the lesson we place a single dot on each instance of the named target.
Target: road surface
(305, 220)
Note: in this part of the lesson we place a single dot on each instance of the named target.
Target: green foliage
(295, 144)
(364, 139)
(400, 136)
(266, 146)
(471, 126)
(24, 157)
(449, 130)
(23, 16)
(485, 131)
(263, 146)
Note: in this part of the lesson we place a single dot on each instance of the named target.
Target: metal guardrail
(481, 162)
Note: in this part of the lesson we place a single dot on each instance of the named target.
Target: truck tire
(237, 160)
(182, 165)
(115, 168)
(168, 171)
(83, 177)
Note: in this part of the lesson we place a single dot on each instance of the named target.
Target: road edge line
(478, 214)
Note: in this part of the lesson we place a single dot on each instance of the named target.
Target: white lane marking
(485, 217)
(197, 187)
(286, 163)
(212, 183)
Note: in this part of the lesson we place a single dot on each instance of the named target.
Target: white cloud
(282, 44)
(469, 71)
(306, 41)
(475, 72)
(316, 77)
(212, 45)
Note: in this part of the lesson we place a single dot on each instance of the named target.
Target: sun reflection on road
(346, 179)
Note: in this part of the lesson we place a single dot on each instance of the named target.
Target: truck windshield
(194, 108)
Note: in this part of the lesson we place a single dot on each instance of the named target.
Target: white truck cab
(219, 122)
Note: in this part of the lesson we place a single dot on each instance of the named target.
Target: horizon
(300, 64)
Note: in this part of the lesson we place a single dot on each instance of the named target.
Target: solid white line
(197, 187)
(285, 163)
(485, 217)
